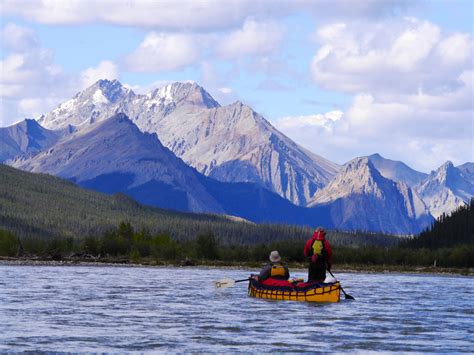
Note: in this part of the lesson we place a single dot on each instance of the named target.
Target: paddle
(348, 296)
(224, 283)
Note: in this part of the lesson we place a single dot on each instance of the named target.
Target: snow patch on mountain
(231, 143)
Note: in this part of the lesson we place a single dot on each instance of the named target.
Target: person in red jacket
(318, 251)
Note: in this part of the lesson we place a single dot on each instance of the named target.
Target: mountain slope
(231, 143)
(397, 170)
(447, 188)
(114, 156)
(359, 197)
(40, 205)
(25, 138)
(467, 170)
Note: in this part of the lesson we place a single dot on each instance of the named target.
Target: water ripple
(104, 309)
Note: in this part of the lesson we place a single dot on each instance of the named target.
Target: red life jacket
(318, 249)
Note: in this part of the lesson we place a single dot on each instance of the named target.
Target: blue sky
(342, 78)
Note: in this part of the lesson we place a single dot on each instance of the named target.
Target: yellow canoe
(317, 293)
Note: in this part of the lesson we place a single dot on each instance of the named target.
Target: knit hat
(275, 256)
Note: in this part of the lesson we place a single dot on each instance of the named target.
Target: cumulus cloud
(325, 121)
(393, 57)
(29, 76)
(253, 38)
(18, 38)
(105, 70)
(163, 51)
(422, 130)
(201, 15)
(412, 87)
(31, 83)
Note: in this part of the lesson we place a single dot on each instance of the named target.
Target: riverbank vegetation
(125, 244)
(47, 218)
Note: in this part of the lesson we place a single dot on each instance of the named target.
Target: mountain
(25, 138)
(115, 156)
(96, 103)
(447, 188)
(360, 198)
(467, 171)
(397, 170)
(230, 143)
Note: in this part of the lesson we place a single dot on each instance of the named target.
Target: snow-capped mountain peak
(106, 91)
(181, 93)
(95, 103)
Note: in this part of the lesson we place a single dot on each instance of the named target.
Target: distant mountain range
(229, 143)
(447, 188)
(360, 198)
(177, 148)
(25, 138)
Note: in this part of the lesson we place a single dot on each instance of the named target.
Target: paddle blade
(348, 297)
(224, 283)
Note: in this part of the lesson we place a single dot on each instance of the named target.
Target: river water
(123, 309)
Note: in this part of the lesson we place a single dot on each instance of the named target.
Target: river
(146, 309)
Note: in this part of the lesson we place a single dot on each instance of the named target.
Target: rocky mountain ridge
(358, 194)
(230, 143)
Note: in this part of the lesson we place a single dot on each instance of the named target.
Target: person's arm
(265, 272)
(307, 248)
(327, 246)
(287, 272)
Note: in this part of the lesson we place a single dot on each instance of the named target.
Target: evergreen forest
(46, 217)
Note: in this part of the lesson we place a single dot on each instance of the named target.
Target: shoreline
(295, 267)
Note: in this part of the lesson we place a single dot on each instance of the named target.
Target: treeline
(124, 244)
(448, 230)
(47, 217)
(127, 242)
(40, 206)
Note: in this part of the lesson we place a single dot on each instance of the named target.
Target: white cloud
(391, 57)
(18, 38)
(414, 45)
(253, 38)
(455, 49)
(423, 131)
(105, 70)
(412, 87)
(162, 52)
(31, 83)
(325, 121)
(200, 15)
